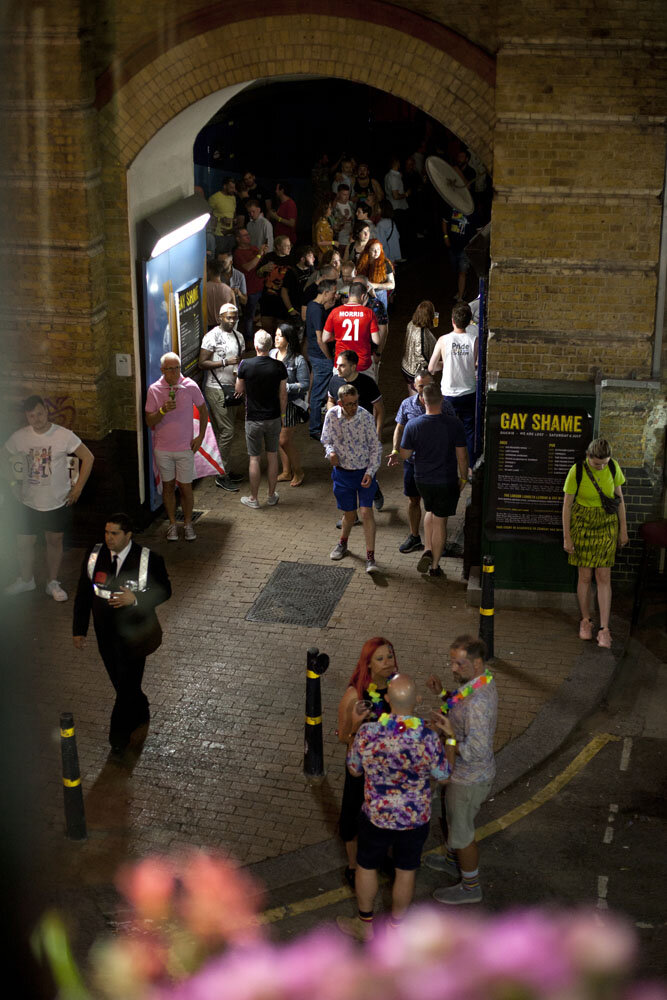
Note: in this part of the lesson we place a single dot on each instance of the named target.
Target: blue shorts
(348, 490)
(374, 842)
(409, 484)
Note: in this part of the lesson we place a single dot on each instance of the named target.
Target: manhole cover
(300, 594)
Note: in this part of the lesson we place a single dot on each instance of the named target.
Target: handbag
(610, 505)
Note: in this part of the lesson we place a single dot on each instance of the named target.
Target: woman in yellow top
(591, 534)
(323, 234)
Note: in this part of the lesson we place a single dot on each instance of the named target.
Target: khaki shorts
(179, 465)
(462, 803)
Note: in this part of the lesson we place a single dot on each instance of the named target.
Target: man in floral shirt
(397, 756)
(471, 711)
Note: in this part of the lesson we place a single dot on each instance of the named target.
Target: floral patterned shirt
(474, 721)
(397, 767)
(355, 441)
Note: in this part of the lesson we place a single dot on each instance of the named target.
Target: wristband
(13, 482)
(162, 412)
(450, 743)
(395, 451)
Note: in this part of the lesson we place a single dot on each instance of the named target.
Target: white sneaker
(20, 586)
(273, 499)
(249, 502)
(55, 591)
(189, 533)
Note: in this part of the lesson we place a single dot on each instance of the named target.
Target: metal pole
(486, 609)
(75, 818)
(313, 750)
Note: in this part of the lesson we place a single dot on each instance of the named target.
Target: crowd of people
(295, 336)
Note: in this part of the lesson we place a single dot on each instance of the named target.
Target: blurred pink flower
(599, 944)
(523, 947)
(148, 885)
(219, 900)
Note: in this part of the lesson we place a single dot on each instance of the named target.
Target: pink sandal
(604, 638)
(585, 628)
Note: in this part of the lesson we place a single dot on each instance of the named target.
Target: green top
(588, 496)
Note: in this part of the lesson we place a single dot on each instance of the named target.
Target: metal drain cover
(300, 594)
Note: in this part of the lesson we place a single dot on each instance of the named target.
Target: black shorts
(36, 522)
(374, 842)
(409, 484)
(439, 499)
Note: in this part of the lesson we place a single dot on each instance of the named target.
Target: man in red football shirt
(354, 327)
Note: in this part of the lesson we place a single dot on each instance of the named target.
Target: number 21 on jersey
(348, 326)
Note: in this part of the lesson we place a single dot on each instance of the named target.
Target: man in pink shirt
(169, 415)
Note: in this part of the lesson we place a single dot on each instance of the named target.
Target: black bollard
(75, 818)
(313, 752)
(486, 609)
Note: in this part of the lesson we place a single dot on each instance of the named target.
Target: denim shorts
(348, 490)
(409, 484)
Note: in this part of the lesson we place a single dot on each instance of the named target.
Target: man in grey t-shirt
(220, 352)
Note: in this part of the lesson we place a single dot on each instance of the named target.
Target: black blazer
(137, 628)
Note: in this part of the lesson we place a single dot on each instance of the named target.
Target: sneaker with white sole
(372, 566)
(273, 499)
(172, 533)
(55, 591)
(189, 533)
(455, 895)
(249, 502)
(441, 863)
(20, 586)
(338, 552)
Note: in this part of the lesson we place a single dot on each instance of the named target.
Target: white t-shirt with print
(45, 482)
(224, 345)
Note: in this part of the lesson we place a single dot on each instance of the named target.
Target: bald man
(398, 756)
(169, 403)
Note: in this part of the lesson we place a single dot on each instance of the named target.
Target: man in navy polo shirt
(438, 444)
(411, 408)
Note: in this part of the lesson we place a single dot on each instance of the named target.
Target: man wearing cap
(220, 353)
(122, 583)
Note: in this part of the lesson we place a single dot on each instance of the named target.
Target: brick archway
(430, 67)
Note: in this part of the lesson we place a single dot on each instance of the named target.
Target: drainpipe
(662, 281)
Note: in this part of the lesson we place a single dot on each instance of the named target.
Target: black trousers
(126, 672)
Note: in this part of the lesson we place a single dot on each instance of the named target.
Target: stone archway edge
(227, 12)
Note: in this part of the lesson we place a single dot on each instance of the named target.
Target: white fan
(449, 185)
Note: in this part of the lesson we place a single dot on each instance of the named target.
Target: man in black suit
(122, 583)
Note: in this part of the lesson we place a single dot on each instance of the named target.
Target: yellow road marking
(544, 795)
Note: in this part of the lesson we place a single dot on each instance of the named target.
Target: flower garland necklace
(374, 693)
(394, 725)
(449, 700)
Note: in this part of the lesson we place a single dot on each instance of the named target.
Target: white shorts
(179, 465)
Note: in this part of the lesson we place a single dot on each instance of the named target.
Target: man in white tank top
(455, 359)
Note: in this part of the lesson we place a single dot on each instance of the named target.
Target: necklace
(374, 693)
(394, 725)
(449, 700)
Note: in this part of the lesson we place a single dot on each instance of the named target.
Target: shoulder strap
(143, 568)
(595, 483)
(92, 559)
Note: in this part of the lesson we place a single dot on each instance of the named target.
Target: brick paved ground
(222, 765)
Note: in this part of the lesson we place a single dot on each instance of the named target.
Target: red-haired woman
(380, 273)
(375, 668)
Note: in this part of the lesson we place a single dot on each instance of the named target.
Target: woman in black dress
(375, 668)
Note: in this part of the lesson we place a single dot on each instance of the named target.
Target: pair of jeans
(322, 372)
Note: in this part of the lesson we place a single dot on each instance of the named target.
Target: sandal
(284, 477)
(604, 638)
(298, 480)
(585, 628)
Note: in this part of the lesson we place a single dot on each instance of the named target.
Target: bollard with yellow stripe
(486, 608)
(75, 818)
(313, 749)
